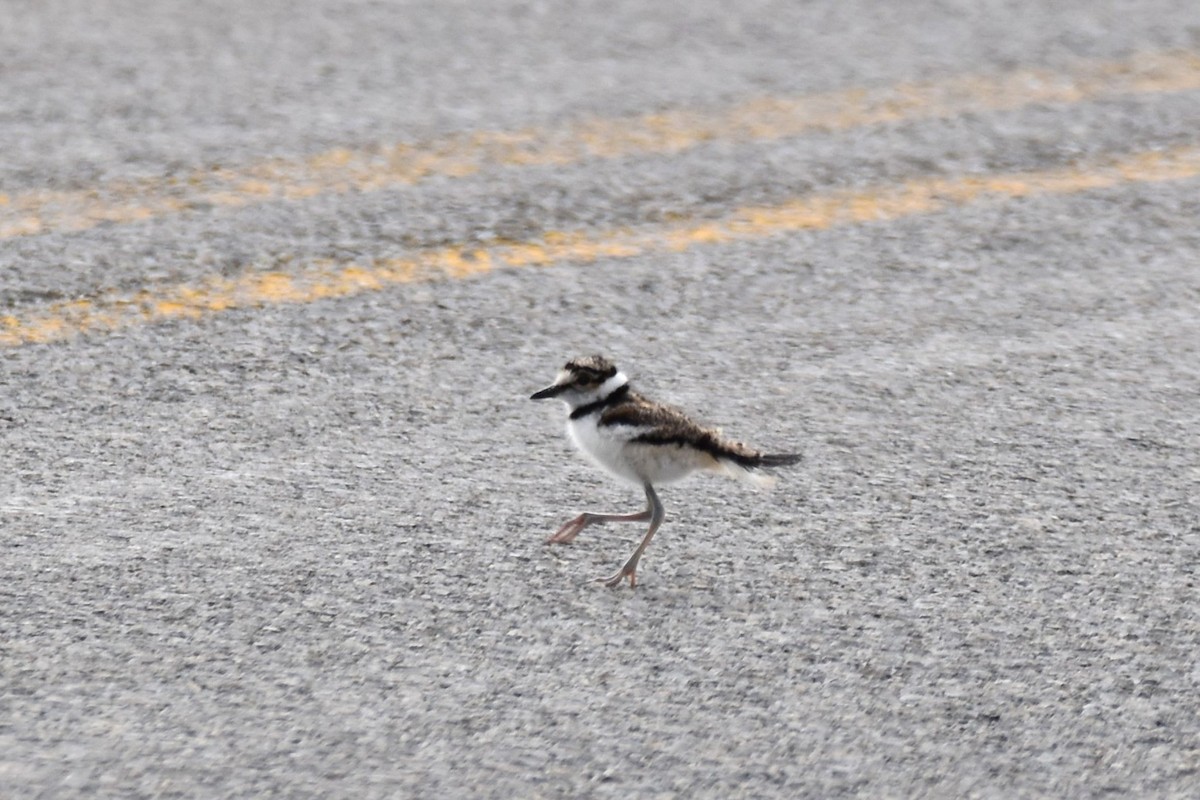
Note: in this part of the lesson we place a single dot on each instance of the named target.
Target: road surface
(276, 281)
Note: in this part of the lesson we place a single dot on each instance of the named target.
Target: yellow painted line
(323, 279)
(388, 166)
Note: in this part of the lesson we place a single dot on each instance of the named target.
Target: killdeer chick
(644, 443)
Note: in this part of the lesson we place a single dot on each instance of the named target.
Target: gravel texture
(296, 551)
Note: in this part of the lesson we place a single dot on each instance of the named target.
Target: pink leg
(568, 532)
(656, 513)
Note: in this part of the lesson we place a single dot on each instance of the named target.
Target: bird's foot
(567, 533)
(627, 571)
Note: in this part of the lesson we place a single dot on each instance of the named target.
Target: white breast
(602, 447)
(612, 449)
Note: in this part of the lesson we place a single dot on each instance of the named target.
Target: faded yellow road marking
(328, 278)
(371, 169)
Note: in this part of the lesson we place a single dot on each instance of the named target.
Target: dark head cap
(599, 368)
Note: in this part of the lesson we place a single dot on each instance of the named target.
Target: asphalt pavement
(274, 499)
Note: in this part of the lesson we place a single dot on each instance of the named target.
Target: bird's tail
(748, 468)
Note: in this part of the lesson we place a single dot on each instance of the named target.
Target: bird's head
(584, 380)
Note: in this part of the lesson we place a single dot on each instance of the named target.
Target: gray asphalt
(296, 551)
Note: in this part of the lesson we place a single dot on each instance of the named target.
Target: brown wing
(662, 424)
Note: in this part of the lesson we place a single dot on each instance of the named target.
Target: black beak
(550, 391)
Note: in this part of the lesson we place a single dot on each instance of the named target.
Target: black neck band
(615, 396)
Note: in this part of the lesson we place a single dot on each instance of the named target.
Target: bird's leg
(568, 532)
(656, 513)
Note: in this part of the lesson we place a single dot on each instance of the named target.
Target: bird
(645, 443)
